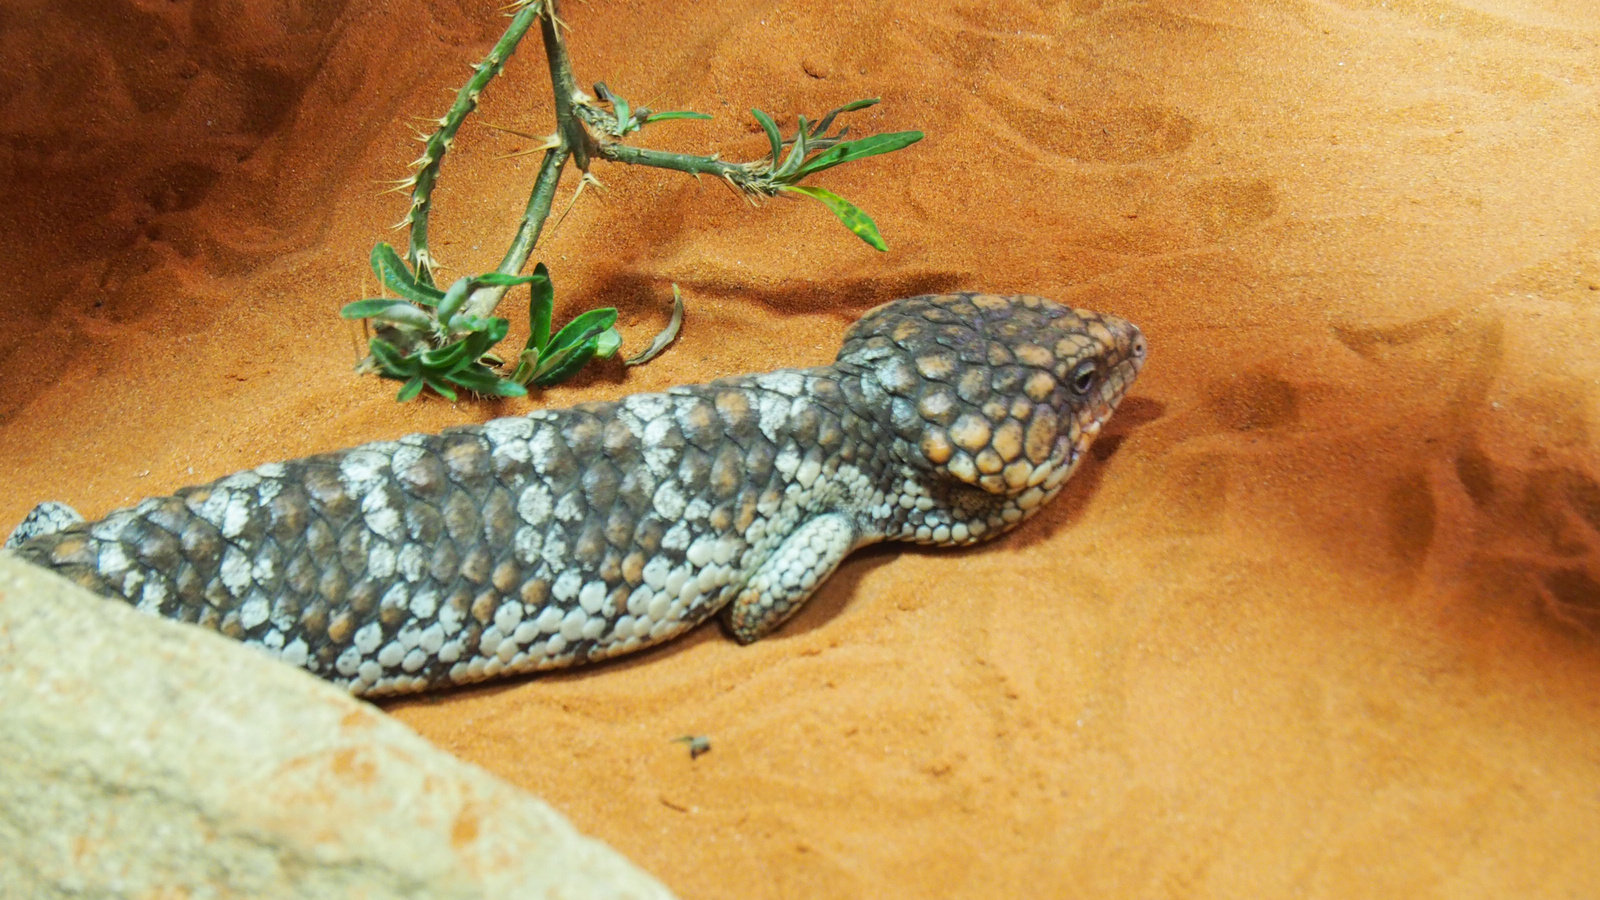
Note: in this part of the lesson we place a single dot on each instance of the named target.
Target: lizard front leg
(787, 579)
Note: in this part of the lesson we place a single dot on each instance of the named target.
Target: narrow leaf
(582, 328)
(479, 342)
(362, 309)
(797, 153)
(573, 346)
(861, 149)
(446, 359)
(607, 343)
(480, 380)
(674, 114)
(667, 335)
(454, 298)
(410, 391)
(461, 322)
(439, 387)
(771, 128)
(822, 127)
(848, 213)
(539, 308)
(390, 358)
(563, 364)
(405, 314)
(500, 279)
(392, 271)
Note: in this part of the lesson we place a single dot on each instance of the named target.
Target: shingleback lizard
(573, 535)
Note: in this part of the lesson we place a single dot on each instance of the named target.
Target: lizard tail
(48, 517)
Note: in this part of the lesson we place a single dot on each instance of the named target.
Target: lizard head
(1000, 393)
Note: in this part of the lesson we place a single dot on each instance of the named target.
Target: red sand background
(1323, 617)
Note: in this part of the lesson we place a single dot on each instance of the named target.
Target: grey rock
(143, 758)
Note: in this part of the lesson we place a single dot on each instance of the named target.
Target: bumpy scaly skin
(575, 535)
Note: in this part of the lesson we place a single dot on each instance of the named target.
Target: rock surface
(139, 758)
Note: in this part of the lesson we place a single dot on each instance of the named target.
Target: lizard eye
(1083, 377)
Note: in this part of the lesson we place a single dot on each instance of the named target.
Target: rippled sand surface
(1322, 616)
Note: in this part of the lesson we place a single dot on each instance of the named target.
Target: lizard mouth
(1072, 456)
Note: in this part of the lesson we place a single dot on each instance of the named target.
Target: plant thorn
(587, 180)
(398, 185)
(553, 139)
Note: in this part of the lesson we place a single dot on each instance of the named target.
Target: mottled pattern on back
(572, 535)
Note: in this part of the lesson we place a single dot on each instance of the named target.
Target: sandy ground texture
(1322, 616)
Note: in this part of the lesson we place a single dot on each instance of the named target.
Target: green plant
(441, 339)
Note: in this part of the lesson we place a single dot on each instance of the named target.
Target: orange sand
(1322, 618)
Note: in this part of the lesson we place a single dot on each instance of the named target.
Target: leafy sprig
(624, 119)
(547, 360)
(813, 150)
(440, 340)
(425, 340)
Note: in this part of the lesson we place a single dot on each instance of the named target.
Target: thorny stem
(575, 142)
(439, 142)
(745, 178)
(567, 95)
(484, 300)
(533, 218)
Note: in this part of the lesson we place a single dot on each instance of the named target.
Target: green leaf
(607, 343)
(392, 271)
(861, 149)
(481, 380)
(848, 213)
(461, 322)
(665, 337)
(446, 359)
(540, 305)
(674, 114)
(822, 127)
(623, 112)
(500, 279)
(390, 359)
(454, 298)
(362, 309)
(797, 153)
(439, 387)
(402, 313)
(479, 342)
(582, 328)
(563, 364)
(410, 391)
(771, 128)
(577, 343)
